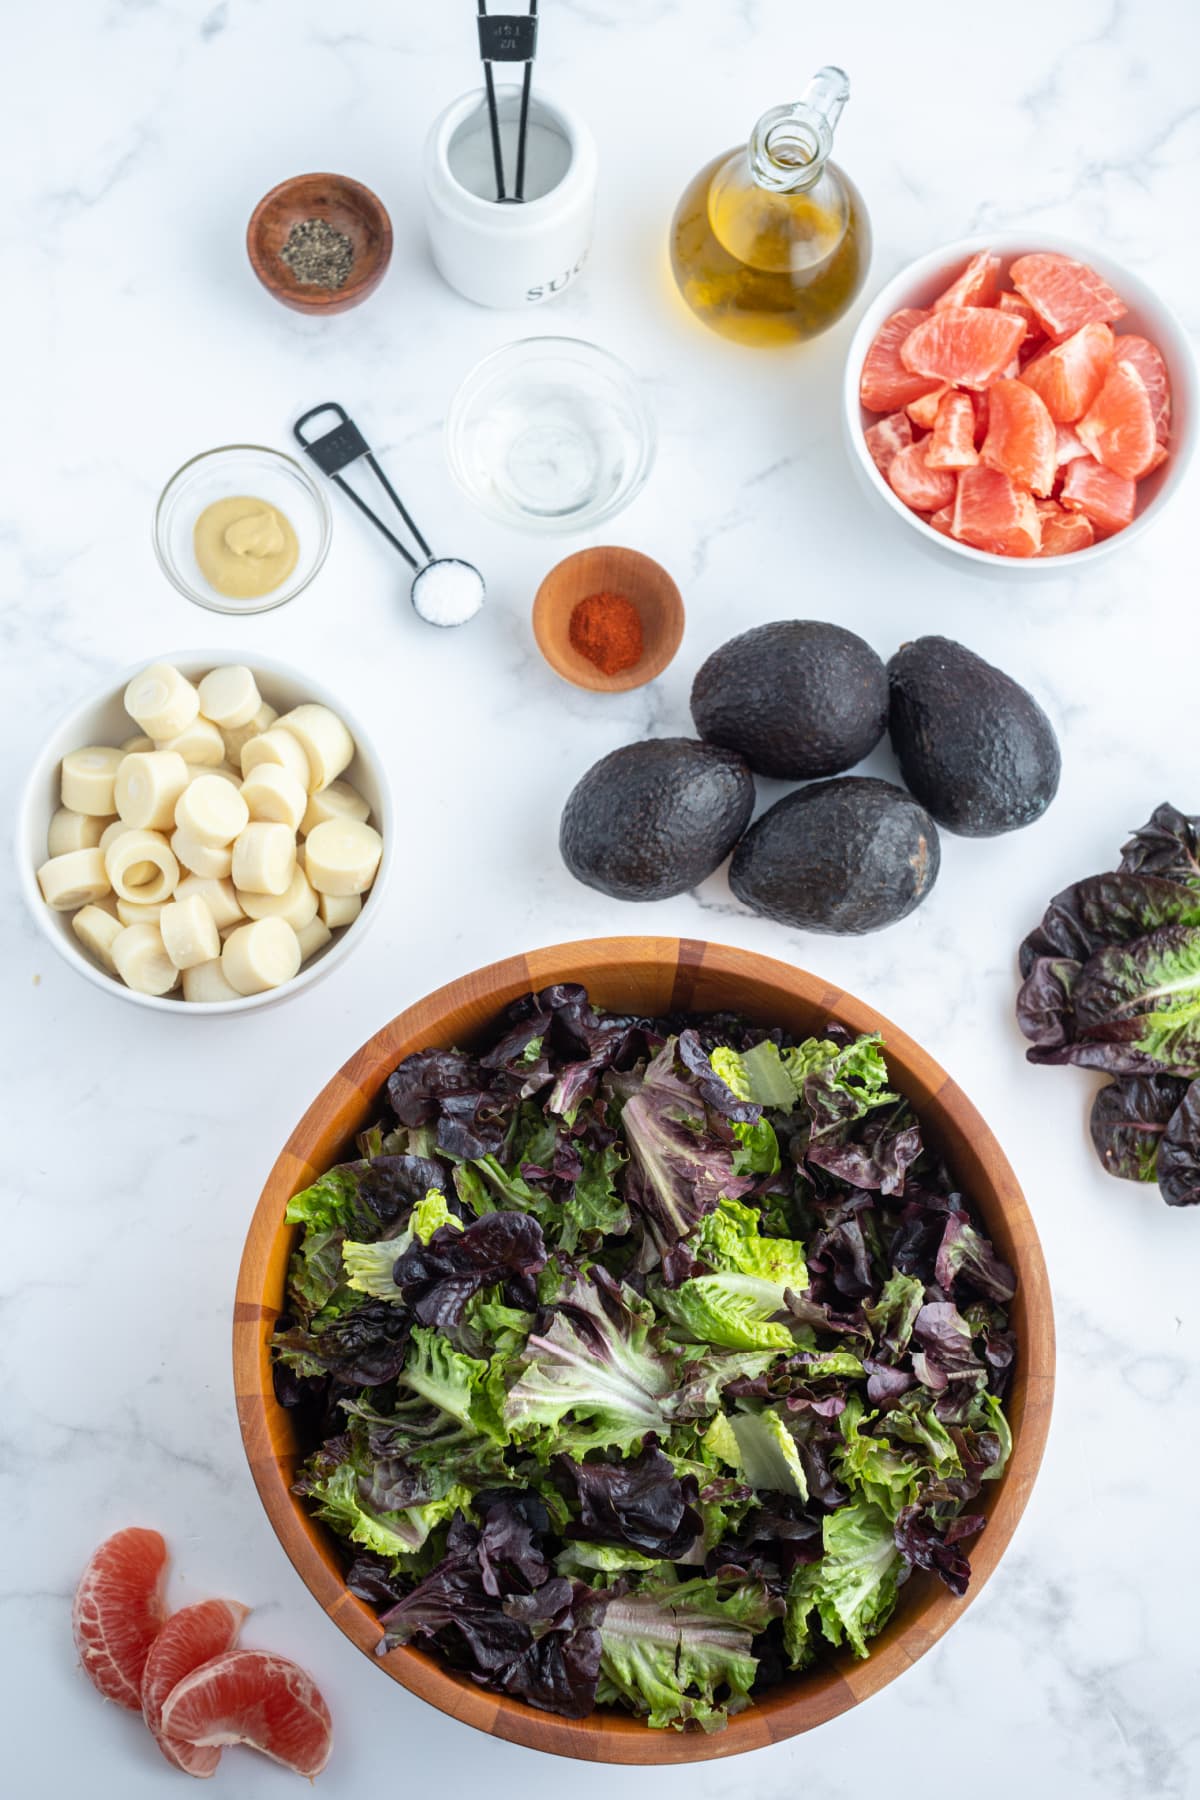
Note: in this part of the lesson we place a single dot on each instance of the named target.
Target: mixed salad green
(642, 1360)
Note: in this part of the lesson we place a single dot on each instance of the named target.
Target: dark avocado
(848, 856)
(797, 699)
(653, 819)
(974, 747)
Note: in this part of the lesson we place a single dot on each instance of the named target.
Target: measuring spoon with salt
(445, 590)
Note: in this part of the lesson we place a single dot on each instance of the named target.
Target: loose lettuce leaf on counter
(1128, 1120)
(1145, 997)
(1168, 845)
(1179, 1152)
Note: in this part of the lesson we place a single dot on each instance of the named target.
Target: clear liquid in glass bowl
(550, 434)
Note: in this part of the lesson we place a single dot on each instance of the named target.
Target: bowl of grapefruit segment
(1018, 400)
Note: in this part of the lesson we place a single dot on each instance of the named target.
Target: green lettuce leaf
(596, 1365)
(368, 1267)
(463, 1387)
(681, 1654)
(857, 1579)
(894, 1314)
(737, 1306)
(768, 1455)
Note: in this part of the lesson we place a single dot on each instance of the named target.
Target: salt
(448, 591)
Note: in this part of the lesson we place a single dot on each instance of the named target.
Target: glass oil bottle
(770, 243)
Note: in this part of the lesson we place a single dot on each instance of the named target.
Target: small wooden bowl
(654, 975)
(608, 570)
(346, 205)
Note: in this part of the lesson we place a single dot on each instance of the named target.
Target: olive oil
(770, 243)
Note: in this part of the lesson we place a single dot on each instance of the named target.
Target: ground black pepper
(318, 254)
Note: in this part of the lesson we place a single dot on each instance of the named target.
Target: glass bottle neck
(786, 151)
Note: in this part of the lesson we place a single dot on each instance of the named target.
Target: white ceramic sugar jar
(509, 253)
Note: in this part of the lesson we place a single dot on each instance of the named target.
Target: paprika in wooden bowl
(608, 619)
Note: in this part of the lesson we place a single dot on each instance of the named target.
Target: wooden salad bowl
(655, 976)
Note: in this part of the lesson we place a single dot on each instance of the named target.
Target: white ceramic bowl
(920, 283)
(102, 719)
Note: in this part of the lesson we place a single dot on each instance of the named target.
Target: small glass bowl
(550, 434)
(220, 474)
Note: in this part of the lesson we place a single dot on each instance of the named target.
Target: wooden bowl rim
(643, 671)
(359, 285)
(611, 1736)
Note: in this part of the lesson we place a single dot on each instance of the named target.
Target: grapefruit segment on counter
(1064, 294)
(1020, 439)
(190, 1637)
(1017, 420)
(251, 1697)
(119, 1611)
(966, 345)
(885, 383)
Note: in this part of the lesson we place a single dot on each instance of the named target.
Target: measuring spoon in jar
(445, 590)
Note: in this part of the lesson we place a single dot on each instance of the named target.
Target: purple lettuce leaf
(638, 1501)
(437, 1279)
(922, 1544)
(1128, 1120)
(878, 1153)
(491, 1608)
(965, 1256)
(1179, 1152)
(681, 1150)
(1167, 845)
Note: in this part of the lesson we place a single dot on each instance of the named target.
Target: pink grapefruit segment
(923, 412)
(965, 345)
(952, 443)
(1063, 531)
(920, 487)
(1147, 359)
(1020, 438)
(1021, 309)
(885, 383)
(1118, 427)
(1068, 376)
(887, 437)
(119, 1611)
(1065, 294)
(1107, 499)
(190, 1637)
(992, 513)
(978, 284)
(251, 1697)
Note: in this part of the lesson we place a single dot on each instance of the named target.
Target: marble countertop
(138, 134)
